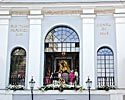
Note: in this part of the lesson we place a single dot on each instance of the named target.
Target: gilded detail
(104, 27)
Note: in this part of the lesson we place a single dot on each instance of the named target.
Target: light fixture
(32, 83)
(89, 84)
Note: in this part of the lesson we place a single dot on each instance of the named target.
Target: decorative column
(4, 26)
(87, 56)
(120, 37)
(34, 66)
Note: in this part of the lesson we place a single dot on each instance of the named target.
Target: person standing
(71, 77)
(76, 77)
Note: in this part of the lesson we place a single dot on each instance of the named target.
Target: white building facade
(39, 37)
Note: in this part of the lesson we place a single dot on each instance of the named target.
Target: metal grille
(105, 67)
(17, 67)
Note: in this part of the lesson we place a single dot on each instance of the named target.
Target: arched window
(17, 67)
(105, 67)
(62, 39)
(61, 49)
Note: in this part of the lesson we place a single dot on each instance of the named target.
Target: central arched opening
(61, 54)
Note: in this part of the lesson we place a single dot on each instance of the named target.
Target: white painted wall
(5, 96)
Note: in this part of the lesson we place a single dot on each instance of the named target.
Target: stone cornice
(62, 4)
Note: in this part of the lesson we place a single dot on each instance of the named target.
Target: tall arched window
(61, 49)
(17, 67)
(105, 67)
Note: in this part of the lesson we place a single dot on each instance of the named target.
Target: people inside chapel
(62, 72)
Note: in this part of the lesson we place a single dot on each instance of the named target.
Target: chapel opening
(61, 55)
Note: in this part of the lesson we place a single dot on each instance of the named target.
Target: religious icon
(63, 66)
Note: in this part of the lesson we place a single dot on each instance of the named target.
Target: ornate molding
(56, 11)
(19, 11)
(104, 10)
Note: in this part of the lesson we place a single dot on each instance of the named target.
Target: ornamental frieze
(19, 11)
(104, 10)
(62, 11)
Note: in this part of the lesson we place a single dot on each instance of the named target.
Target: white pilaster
(120, 34)
(4, 26)
(35, 49)
(88, 49)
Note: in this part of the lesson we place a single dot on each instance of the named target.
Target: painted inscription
(104, 27)
(19, 29)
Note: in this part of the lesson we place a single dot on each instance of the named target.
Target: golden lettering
(104, 33)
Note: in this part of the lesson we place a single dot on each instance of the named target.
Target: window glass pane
(72, 49)
(107, 70)
(77, 49)
(59, 44)
(102, 57)
(105, 61)
(99, 70)
(99, 74)
(17, 67)
(107, 74)
(111, 57)
(102, 61)
(73, 45)
(111, 74)
(51, 45)
(111, 61)
(111, 70)
(68, 49)
(103, 70)
(98, 57)
(99, 66)
(59, 49)
(103, 74)
(107, 57)
(64, 49)
(68, 45)
(64, 45)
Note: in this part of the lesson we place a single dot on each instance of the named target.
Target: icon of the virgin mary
(63, 66)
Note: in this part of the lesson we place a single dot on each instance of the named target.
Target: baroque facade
(45, 38)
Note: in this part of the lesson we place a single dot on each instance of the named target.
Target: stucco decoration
(62, 11)
(19, 11)
(104, 10)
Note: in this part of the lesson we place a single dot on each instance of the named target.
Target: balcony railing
(103, 82)
(17, 81)
(55, 80)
